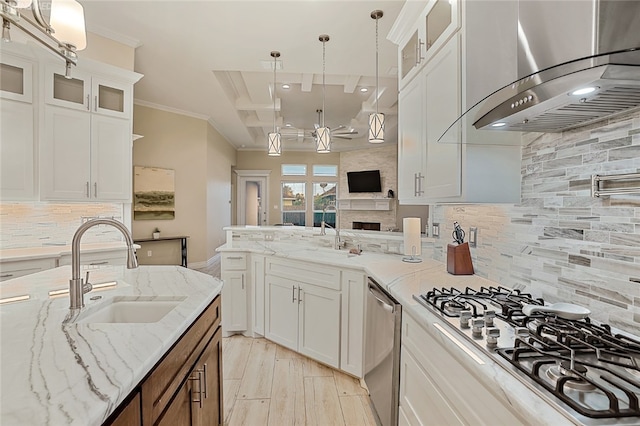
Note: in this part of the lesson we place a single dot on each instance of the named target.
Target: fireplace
(367, 226)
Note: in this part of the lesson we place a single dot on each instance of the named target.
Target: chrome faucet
(337, 243)
(77, 287)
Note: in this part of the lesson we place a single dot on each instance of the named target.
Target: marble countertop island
(56, 373)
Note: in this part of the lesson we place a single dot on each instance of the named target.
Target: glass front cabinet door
(83, 91)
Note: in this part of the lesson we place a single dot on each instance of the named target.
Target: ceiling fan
(340, 132)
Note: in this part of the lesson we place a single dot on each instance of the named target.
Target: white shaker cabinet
(17, 174)
(302, 308)
(84, 157)
(17, 143)
(86, 137)
(431, 378)
(442, 90)
(411, 149)
(234, 293)
(304, 318)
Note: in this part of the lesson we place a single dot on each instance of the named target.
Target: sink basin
(131, 310)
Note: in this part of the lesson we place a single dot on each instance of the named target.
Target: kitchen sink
(131, 310)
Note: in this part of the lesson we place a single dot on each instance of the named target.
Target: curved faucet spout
(77, 288)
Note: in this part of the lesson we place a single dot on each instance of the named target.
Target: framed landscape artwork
(153, 193)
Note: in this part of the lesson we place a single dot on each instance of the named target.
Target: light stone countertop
(78, 373)
(30, 253)
(403, 280)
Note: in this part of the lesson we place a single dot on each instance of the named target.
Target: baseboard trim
(205, 264)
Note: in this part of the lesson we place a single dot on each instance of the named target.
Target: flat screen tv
(364, 181)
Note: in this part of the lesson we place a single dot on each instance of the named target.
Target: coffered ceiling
(212, 59)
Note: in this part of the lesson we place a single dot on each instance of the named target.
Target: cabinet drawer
(234, 261)
(322, 276)
(474, 402)
(159, 388)
(10, 270)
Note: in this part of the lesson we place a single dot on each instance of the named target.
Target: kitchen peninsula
(79, 373)
(470, 387)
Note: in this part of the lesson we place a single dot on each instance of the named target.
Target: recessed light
(584, 91)
(364, 90)
(286, 86)
(499, 124)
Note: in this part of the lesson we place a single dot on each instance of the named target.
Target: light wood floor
(267, 384)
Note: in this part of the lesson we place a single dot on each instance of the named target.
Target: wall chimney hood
(578, 62)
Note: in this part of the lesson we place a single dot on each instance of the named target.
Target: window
(325, 170)
(324, 194)
(294, 204)
(294, 170)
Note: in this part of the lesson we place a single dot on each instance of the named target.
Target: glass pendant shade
(23, 4)
(376, 128)
(323, 140)
(275, 144)
(67, 19)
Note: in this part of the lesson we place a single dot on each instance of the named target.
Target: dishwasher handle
(380, 298)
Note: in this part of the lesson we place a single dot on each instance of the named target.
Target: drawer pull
(206, 390)
(6, 275)
(458, 343)
(104, 262)
(198, 377)
(235, 258)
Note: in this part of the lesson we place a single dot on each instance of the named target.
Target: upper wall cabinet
(452, 70)
(419, 39)
(86, 92)
(86, 133)
(16, 78)
(17, 138)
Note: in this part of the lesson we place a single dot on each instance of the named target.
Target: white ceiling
(212, 59)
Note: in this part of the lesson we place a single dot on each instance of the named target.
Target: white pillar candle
(411, 232)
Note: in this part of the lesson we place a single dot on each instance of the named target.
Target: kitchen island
(78, 373)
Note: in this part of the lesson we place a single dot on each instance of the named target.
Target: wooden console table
(183, 244)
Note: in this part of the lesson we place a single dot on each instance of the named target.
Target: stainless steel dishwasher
(382, 353)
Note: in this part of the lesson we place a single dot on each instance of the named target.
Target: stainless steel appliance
(382, 353)
(581, 367)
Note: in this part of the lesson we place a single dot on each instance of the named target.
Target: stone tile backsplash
(559, 242)
(37, 224)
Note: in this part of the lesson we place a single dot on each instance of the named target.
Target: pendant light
(274, 138)
(323, 135)
(376, 120)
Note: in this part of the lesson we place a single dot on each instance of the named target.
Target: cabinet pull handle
(299, 296)
(88, 103)
(198, 377)
(419, 56)
(95, 103)
(95, 189)
(293, 294)
(417, 184)
(104, 262)
(6, 275)
(206, 389)
(88, 195)
(234, 257)
(242, 282)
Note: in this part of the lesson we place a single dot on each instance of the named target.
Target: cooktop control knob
(465, 317)
(488, 318)
(477, 324)
(492, 336)
(522, 333)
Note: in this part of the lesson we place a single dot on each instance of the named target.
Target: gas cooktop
(584, 368)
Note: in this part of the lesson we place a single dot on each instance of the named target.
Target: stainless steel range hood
(578, 62)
